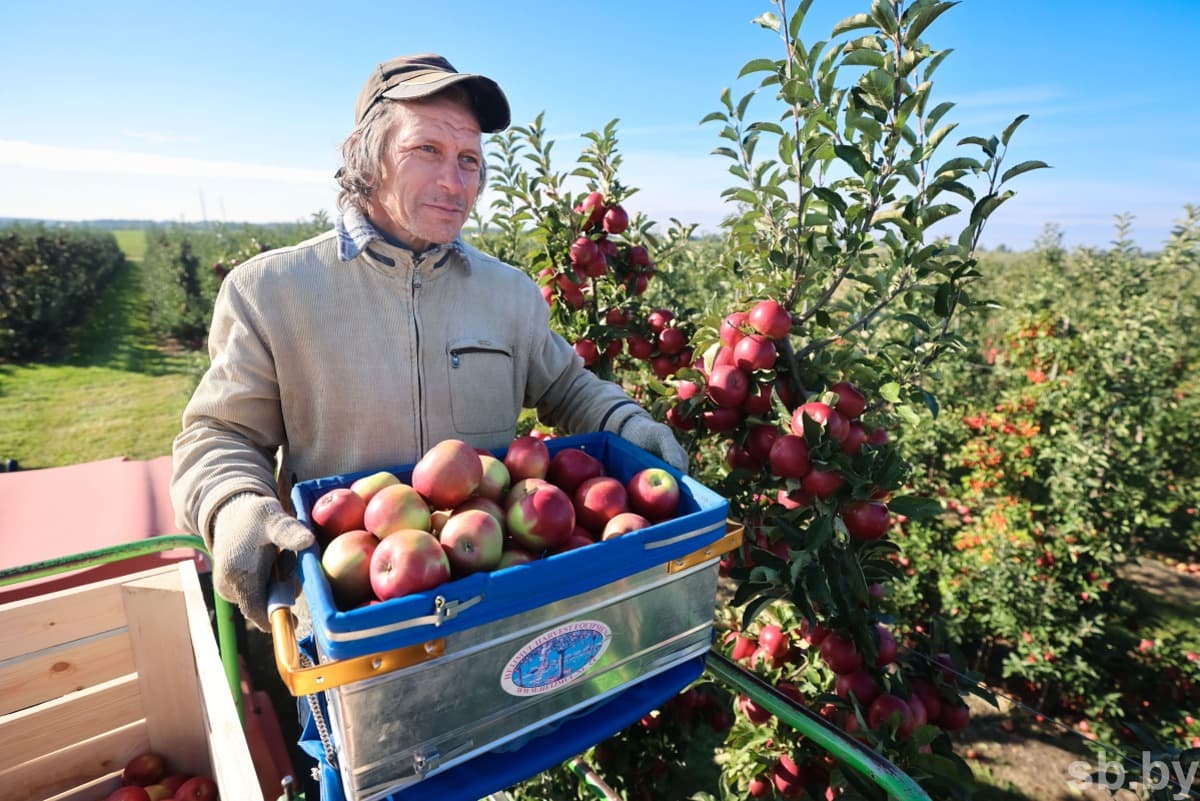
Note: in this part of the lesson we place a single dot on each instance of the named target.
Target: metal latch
(445, 610)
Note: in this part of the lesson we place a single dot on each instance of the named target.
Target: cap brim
(491, 106)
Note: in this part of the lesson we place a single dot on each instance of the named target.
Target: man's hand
(248, 533)
(650, 435)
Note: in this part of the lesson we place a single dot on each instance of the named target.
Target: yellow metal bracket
(732, 539)
(308, 680)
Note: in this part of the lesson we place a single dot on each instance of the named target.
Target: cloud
(88, 160)
(161, 138)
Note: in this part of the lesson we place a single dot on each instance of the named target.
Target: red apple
(347, 564)
(639, 256)
(851, 401)
(473, 541)
(671, 341)
(770, 319)
(789, 457)
(541, 518)
(760, 439)
(954, 717)
(787, 777)
(653, 493)
(728, 386)
(840, 654)
(733, 328)
(593, 206)
(588, 351)
(131, 792)
(481, 504)
(616, 220)
(927, 691)
(856, 437)
(408, 561)
(175, 781)
(513, 555)
(570, 467)
(495, 481)
(579, 538)
(833, 423)
(338, 510)
(755, 352)
(639, 347)
(822, 483)
(718, 420)
(396, 507)
(623, 524)
(758, 400)
(598, 500)
(145, 768)
(448, 474)
(527, 457)
(197, 788)
(659, 319)
(866, 520)
(859, 683)
(367, 486)
(890, 709)
(158, 792)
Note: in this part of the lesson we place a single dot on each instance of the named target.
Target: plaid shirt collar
(355, 233)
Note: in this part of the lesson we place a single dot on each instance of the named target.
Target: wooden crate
(92, 676)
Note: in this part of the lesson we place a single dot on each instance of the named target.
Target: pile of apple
(466, 510)
(148, 777)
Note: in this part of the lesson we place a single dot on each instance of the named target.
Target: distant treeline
(49, 278)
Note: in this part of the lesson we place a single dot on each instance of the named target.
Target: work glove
(650, 435)
(248, 534)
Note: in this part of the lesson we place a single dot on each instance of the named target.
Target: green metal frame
(223, 610)
(847, 750)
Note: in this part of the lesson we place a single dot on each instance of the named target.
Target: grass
(113, 393)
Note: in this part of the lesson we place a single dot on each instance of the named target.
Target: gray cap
(412, 77)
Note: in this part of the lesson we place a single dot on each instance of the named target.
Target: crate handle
(733, 539)
(327, 675)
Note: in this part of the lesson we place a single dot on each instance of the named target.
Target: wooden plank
(52, 672)
(79, 771)
(52, 726)
(156, 609)
(35, 624)
(232, 766)
(91, 791)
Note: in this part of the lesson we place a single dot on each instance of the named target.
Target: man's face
(430, 173)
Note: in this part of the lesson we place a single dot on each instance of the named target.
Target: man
(365, 346)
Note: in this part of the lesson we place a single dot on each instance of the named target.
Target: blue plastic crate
(700, 521)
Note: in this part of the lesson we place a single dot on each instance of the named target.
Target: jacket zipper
(416, 286)
(455, 352)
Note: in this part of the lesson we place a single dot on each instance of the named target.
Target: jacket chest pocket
(481, 383)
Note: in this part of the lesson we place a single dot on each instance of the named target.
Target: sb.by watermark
(1175, 776)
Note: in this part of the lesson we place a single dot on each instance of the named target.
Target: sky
(233, 112)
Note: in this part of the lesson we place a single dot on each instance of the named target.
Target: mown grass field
(113, 393)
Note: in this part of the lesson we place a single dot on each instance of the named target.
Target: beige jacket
(333, 366)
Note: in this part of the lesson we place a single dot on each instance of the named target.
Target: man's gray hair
(364, 148)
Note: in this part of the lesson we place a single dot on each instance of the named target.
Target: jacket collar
(356, 234)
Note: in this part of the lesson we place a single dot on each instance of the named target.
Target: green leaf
(940, 211)
(922, 19)
(939, 111)
(832, 198)
(1012, 126)
(987, 204)
(768, 20)
(757, 65)
(853, 157)
(913, 320)
(1024, 166)
(854, 23)
(937, 136)
(890, 392)
(864, 58)
(716, 116)
(960, 163)
(884, 16)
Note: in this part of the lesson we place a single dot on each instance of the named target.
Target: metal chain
(319, 718)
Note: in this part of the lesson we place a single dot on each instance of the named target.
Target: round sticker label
(556, 658)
